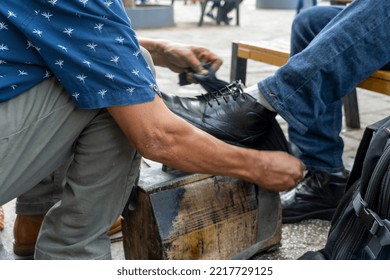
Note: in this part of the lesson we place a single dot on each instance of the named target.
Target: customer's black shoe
(315, 197)
(228, 114)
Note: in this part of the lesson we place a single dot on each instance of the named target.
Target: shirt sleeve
(92, 50)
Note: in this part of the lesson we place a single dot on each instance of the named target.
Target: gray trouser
(47, 192)
(75, 164)
(40, 131)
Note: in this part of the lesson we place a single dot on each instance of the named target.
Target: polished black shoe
(228, 114)
(315, 197)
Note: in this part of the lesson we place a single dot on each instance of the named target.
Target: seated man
(225, 9)
(319, 193)
(332, 51)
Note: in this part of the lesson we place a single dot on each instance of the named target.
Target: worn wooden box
(182, 216)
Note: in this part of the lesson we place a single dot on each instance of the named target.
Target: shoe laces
(302, 183)
(234, 90)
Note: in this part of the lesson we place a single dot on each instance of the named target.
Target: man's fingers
(216, 64)
(199, 69)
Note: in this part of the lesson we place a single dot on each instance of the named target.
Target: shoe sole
(326, 215)
(24, 250)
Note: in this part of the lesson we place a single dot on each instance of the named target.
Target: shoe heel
(24, 250)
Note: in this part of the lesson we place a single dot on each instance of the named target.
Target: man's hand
(280, 172)
(181, 58)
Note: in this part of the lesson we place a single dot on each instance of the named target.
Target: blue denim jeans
(327, 65)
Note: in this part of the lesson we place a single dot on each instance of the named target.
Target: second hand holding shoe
(229, 114)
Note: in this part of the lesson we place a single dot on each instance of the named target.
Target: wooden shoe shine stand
(181, 216)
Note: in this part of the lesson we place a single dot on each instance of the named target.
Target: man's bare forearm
(155, 48)
(163, 137)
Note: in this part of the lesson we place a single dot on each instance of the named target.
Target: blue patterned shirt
(88, 45)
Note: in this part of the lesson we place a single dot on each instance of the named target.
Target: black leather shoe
(228, 114)
(315, 197)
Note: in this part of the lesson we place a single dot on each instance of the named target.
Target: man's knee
(316, 17)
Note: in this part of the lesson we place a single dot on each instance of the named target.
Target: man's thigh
(37, 133)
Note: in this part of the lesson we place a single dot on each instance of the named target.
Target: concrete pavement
(255, 25)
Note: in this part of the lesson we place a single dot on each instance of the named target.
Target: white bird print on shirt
(76, 95)
(38, 32)
(115, 59)
(99, 26)
(110, 76)
(69, 31)
(63, 48)
(53, 2)
(108, 3)
(136, 53)
(3, 25)
(84, 2)
(120, 39)
(81, 77)
(92, 46)
(130, 90)
(102, 92)
(47, 74)
(3, 47)
(11, 14)
(29, 45)
(22, 73)
(87, 63)
(135, 72)
(47, 16)
(59, 63)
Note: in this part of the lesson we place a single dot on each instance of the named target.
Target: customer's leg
(350, 48)
(321, 147)
(315, 43)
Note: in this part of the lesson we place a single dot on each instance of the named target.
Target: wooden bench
(276, 54)
(340, 2)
